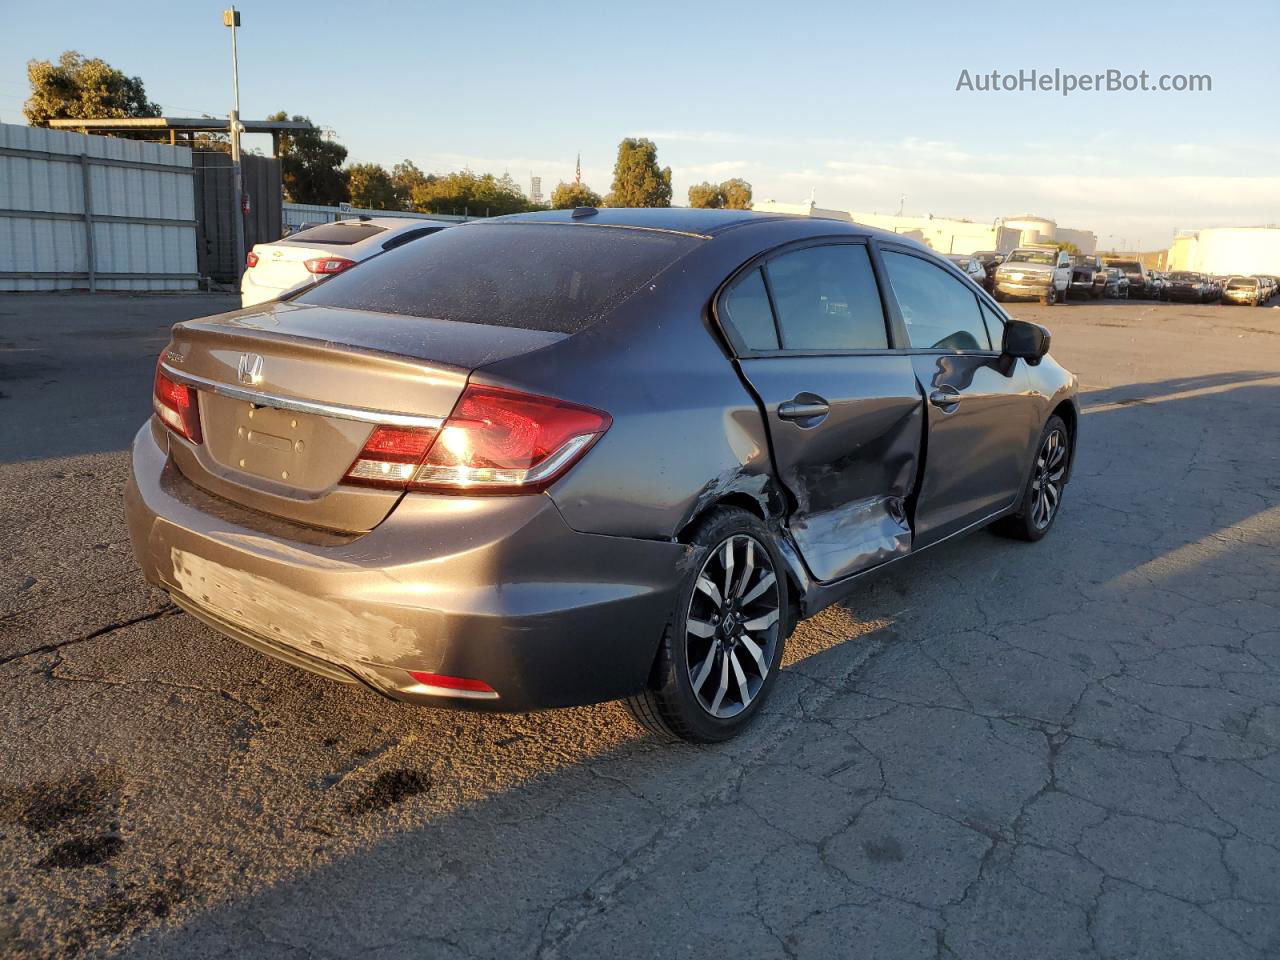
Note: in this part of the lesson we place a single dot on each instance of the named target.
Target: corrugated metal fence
(97, 213)
(296, 214)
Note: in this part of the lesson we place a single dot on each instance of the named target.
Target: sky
(853, 103)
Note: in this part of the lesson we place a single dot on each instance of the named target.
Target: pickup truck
(1034, 272)
(1088, 275)
(1139, 282)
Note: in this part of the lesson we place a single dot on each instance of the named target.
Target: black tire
(1029, 522)
(670, 706)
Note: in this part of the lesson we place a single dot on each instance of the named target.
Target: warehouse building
(1227, 250)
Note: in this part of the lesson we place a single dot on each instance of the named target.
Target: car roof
(708, 223)
(681, 219)
(394, 223)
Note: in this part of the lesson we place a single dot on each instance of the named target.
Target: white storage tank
(1032, 229)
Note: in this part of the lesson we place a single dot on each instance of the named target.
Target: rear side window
(940, 311)
(746, 308)
(336, 234)
(827, 299)
(554, 277)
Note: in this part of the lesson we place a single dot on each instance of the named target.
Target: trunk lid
(288, 395)
(282, 265)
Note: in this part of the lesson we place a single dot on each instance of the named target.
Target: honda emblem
(250, 368)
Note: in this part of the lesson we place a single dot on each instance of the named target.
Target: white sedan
(310, 255)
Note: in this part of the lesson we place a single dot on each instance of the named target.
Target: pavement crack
(168, 610)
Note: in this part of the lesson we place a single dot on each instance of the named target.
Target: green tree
(637, 179)
(733, 194)
(566, 196)
(406, 176)
(706, 195)
(480, 195)
(370, 186)
(311, 165)
(78, 88)
(736, 194)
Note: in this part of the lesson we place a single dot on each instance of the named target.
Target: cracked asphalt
(1069, 749)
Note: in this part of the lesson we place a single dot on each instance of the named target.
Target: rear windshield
(555, 277)
(337, 234)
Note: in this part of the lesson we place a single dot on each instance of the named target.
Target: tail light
(495, 441)
(323, 266)
(390, 457)
(251, 260)
(176, 406)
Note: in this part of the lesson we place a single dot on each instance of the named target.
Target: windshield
(1033, 256)
(539, 276)
(1242, 283)
(1183, 275)
(1128, 266)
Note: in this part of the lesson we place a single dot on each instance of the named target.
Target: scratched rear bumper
(497, 589)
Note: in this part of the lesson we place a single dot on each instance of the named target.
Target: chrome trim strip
(276, 402)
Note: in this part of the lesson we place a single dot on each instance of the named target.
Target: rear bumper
(497, 589)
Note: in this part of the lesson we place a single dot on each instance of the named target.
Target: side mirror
(1027, 340)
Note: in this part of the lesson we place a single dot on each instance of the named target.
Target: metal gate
(216, 209)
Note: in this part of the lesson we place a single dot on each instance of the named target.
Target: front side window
(995, 326)
(827, 299)
(939, 311)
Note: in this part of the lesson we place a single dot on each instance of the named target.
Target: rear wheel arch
(768, 507)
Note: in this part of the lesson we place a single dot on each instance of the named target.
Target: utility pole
(231, 18)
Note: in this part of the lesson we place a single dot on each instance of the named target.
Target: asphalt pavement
(995, 749)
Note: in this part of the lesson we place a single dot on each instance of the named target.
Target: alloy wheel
(731, 629)
(1047, 482)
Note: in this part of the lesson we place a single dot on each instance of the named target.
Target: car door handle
(803, 409)
(945, 397)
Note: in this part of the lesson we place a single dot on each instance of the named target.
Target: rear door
(844, 413)
(980, 409)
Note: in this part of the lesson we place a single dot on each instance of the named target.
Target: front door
(980, 411)
(844, 414)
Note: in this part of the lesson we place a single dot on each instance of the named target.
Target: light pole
(231, 18)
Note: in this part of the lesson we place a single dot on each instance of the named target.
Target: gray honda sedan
(572, 456)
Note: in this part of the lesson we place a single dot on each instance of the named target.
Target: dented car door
(845, 415)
